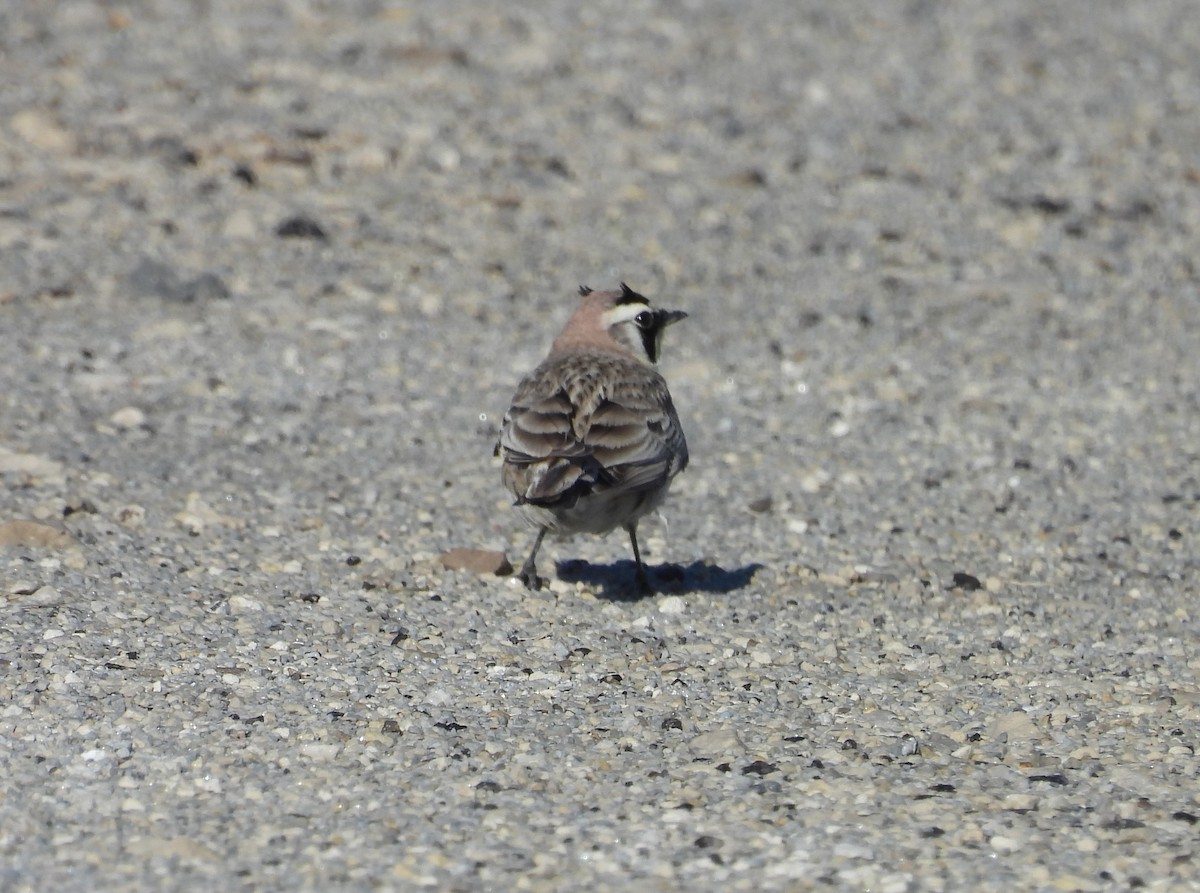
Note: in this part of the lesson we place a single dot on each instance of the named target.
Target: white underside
(597, 513)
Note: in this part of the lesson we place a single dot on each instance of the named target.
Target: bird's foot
(528, 576)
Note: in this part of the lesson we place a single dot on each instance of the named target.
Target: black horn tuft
(629, 296)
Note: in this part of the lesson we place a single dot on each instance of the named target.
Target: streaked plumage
(592, 439)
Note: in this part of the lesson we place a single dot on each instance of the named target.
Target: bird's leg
(528, 572)
(643, 581)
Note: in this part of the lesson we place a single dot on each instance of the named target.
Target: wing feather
(590, 423)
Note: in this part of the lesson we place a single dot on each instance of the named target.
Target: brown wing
(587, 423)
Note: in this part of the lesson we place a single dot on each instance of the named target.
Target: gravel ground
(269, 273)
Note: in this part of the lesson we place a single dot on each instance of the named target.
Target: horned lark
(592, 439)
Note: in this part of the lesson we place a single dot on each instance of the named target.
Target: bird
(592, 440)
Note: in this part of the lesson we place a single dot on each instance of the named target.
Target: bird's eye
(644, 319)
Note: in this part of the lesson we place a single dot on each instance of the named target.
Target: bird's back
(590, 423)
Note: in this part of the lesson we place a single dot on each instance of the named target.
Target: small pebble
(672, 604)
(128, 417)
(477, 561)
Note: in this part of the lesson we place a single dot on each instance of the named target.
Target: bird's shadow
(618, 581)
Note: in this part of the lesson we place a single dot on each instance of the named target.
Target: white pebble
(128, 417)
(1005, 845)
(672, 604)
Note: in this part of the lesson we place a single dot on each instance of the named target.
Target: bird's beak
(672, 316)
